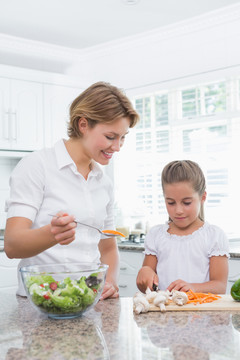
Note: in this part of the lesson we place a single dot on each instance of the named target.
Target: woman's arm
(110, 256)
(20, 241)
(218, 275)
(147, 274)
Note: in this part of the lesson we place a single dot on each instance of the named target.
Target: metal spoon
(93, 227)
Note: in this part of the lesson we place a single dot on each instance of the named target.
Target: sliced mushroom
(161, 300)
(150, 295)
(179, 297)
(140, 303)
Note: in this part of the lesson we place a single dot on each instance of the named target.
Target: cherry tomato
(46, 296)
(53, 286)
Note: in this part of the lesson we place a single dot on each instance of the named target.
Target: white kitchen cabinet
(21, 115)
(234, 272)
(57, 100)
(130, 263)
(8, 270)
(4, 113)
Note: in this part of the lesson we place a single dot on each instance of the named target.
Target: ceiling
(84, 23)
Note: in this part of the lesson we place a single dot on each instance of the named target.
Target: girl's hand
(146, 278)
(180, 285)
(63, 228)
(109, 291)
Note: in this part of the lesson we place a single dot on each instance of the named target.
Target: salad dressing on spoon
(109, 233)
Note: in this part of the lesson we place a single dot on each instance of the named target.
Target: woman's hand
(109, 291)
(180, 285)
(63, 228)
(146, 278)
(110, 256)
(21, 241)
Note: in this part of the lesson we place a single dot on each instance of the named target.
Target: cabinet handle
(122, 286)
(232, 281)
(123, 268)
(14, 126)
(6, 124)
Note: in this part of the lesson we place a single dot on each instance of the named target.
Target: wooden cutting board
(225, 303)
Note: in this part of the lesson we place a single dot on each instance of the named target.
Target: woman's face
(103, 140)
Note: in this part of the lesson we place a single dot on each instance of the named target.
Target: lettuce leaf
(70, 295)
(39, 279)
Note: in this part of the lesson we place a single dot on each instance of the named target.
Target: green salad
(67, 296)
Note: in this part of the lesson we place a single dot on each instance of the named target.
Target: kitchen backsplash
(6, 167)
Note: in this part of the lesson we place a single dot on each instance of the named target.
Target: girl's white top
(185, 257)
(46, 182)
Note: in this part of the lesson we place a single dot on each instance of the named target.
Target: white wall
(172, 54)
(169, 54)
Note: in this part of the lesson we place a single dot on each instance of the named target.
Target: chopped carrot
(113, 232)
(200, 298)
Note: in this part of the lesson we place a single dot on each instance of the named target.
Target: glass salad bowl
(64, 290)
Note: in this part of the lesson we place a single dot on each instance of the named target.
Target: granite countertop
(112, 331)
(1, 240)
(126, 246)
(1, 245)
(131, 246)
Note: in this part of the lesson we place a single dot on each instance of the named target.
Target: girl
(187, 252)
(66, 180)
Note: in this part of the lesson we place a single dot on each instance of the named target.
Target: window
(161, 106)
(200, 122)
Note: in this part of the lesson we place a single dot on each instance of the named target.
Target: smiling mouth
(107, 155)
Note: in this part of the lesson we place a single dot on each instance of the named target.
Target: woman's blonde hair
(185, 170)
(100, 103)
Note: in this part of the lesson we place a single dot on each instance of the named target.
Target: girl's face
(103, 140)
(183, 203)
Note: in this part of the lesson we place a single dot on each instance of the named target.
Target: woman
(66, 180)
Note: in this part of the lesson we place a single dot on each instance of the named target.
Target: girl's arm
(147, 274)
(110, 256)
(20, 241)
(218, 275)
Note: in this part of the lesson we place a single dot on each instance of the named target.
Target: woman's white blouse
(46, 182)
(185, 257)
